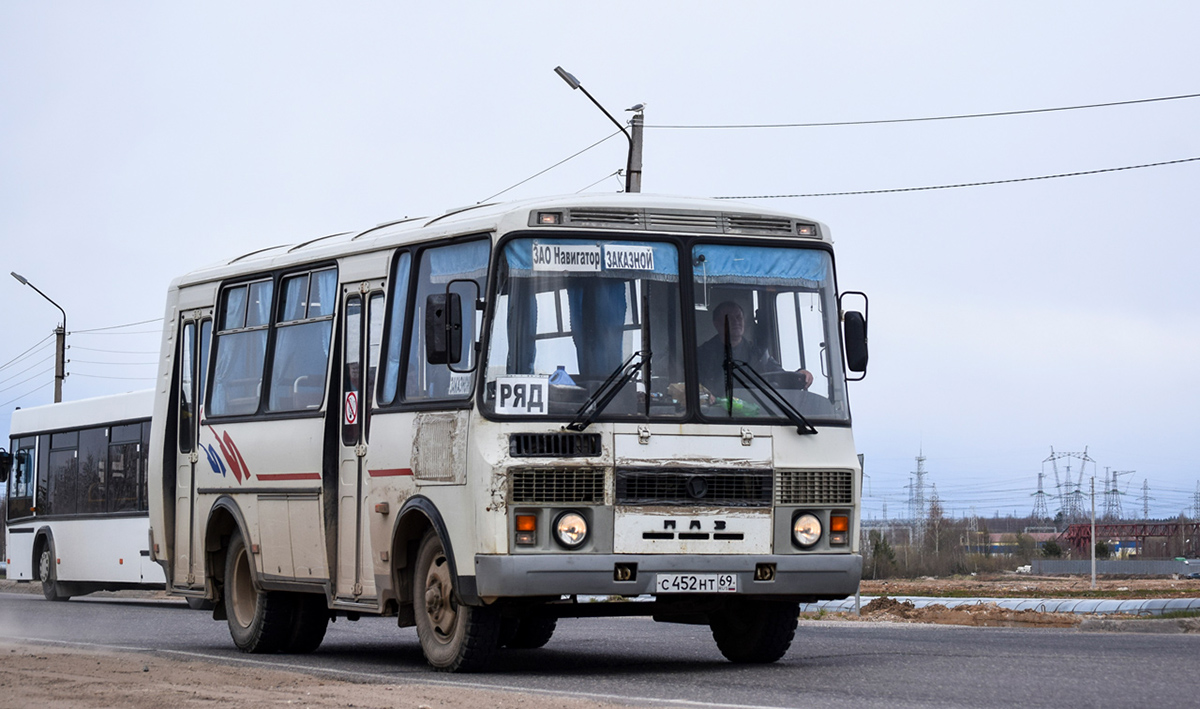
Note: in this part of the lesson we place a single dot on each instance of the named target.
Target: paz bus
(77, 516)
(477, 421)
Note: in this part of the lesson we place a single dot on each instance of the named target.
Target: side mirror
(854, 335)
(855, 328)
(5, 464)
(443, 328)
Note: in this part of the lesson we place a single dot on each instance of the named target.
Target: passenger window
(241, 347)
(302, 338)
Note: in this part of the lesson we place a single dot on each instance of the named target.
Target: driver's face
(737, 324)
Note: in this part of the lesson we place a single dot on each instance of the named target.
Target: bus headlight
(806, 529)
(571, 529)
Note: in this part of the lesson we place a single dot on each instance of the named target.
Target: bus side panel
(19, 552)
(388, 479)
(107, 550)
(281, 461)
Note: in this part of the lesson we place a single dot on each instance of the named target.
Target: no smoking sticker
(351, 412)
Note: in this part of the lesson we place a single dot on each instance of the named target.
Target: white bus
(470, 421)
(76, 500)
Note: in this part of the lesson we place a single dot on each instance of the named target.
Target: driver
(711, 354)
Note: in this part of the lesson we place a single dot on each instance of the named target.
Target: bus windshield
(573, 313)
(767, 333)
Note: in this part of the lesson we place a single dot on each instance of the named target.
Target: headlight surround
(571, 529)
(806, 529)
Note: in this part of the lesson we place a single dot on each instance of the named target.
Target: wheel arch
(416, 517)
(42, 538)
(224, 518)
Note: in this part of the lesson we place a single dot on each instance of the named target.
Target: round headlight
(806, 530)
(570, 529)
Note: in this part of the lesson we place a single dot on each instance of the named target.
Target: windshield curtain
(773, 311)
(570, 314)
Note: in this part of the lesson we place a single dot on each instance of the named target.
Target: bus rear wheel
(310, 621)
(49, 573)
(755, 632)
(259, 621)
(454, 637)
(527, 632)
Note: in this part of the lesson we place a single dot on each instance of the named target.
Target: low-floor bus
(470, 422)
(77, 517)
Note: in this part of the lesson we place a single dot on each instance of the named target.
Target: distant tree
(1052, 550)
(1102, 550)
(883, 557)
(1025, 548)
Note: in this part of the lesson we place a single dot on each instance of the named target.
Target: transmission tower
(1196, 504)
(1070, 491)
(1040, 511)
(1145, 498)
(1115, 494)
(917, 511)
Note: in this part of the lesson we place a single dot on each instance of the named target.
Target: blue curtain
(597, 316)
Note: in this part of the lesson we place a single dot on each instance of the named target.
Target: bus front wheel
(454, 637)
(755, 632)
(258, 620)
(51, 589)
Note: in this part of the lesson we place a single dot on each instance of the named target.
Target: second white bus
(77, 517)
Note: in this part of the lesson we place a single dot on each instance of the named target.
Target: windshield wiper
(749, 378)
(597, 402)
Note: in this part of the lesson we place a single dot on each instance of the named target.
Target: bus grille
(554, 445)
(814, 487)
(694, 487)
(552, 485)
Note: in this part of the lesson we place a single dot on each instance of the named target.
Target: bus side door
(195, 334)
(362, 328)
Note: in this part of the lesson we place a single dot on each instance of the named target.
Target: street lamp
(60, 340)
(633, 163)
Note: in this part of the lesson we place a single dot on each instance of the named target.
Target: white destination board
(566, 257)
(522, 396)
(628, 258)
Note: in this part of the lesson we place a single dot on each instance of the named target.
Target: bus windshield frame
(627, 290)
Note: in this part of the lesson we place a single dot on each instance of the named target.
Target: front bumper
(810, 576)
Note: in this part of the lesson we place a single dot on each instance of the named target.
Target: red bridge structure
(1186, 534)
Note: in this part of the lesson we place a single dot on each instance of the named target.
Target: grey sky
(141, 140)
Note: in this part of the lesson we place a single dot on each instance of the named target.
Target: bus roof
(84, 412)
(615, 212)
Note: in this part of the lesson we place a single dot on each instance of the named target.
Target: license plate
(696, 583)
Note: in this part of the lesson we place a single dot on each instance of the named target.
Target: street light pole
(60, 340)
(1093, 533)
(633, 163)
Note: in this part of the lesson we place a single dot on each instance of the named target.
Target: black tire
(527, 632)
(309, 623)
(199, 604)
(755, 632)
(454, 637)
(259, 621)
(48, 571)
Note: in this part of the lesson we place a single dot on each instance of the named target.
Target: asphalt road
(637, 661)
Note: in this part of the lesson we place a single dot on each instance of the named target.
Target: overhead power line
(116, 327)
(33, 391)
(97, 376)
(16, 359)
(560, 162)
(127, 332)
(992, 114)
(35, 376)
(965, 184)
(37, 363)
